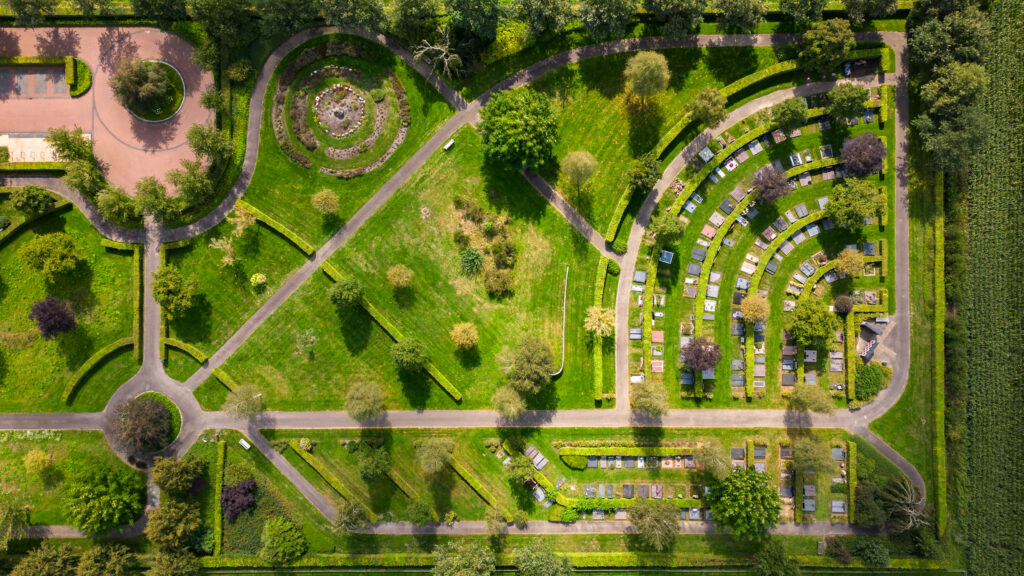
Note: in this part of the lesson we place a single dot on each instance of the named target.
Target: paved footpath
(152, 376)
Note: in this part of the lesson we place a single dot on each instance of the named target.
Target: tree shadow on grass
(405, 297)
(508, 191)
(645, 124)
(441, 486)
(76, 347)
(730, 64)
(416, 387)
(468, 359)
(194, 325)
(356, 325)
(606, 75)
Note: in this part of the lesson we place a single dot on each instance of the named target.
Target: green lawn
(101, 383)
(227, 298)
(597, 114)
(283, 189)
(33, 371)
(69, 449)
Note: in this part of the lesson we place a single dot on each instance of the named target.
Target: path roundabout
(343, 116)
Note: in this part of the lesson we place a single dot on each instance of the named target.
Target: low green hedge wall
(83, 78)
(851, 467)
(83, 370)
(576, 462)
(115, 245)
(398, 559)
(278, 227)
(226, 380)
(939, 369)
(616, 219)
(656, 451)
(187, 348)
(598, 342)
(329, 477)
(218, 487)
(477, 487)
(31, 166)
(137, 294)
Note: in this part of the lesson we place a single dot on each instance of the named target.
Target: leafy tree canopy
(99, 498)
(605, 19)
(852, 201)
(826, 45)
(518, 126)
(463, 558)
(740, 15)
(812, 325)
(657, 522)
(746, 504)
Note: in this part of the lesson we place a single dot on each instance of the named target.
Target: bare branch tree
(906, 505)
(440, 55)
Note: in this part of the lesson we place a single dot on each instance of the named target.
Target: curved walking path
(153, 377)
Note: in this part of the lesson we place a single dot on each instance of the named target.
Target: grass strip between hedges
(76, 379)
(218, 487)
(939, 376)
(333, 481)
(278, 227)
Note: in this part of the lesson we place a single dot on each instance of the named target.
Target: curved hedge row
(187, 348)
(88, 365)
(278, 227)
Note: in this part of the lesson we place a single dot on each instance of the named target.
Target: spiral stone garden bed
(331, 114)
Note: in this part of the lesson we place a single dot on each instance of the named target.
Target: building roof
(640, 277)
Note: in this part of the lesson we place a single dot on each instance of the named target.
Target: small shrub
(4, 222)
(32, 200)
(325, 202)
(843, 304)
(570, 515)
(869, 381)
(419, 512)
(258, 280)
(240, 71)
(873, 552)
(504, 252)
(613, 268)
(237, 498)
(460, 238)
(306, 444)
(282, 541)
(498, 282)
(400, 276)
(465, 336)
(346, 293)
(472, 261)
(377, 94)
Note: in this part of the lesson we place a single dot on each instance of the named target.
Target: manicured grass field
(69, 450)
(283, 189)
(227, 298)
(33, 371)
(101, 383)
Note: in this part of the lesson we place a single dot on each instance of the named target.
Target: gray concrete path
(559, 203)
(541, 527)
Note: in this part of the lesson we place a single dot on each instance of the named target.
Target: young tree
(31, 200)
(508, 402)
(578, 167)
(600, 321)
(847, 100)
(107, 560)
(667, 228)
(400, 276)
(812, 325)
(843, 304)
(543, 16)
(605, 19)
(463, 558)
(678, 17)
(84, 176)
(478, 19)
(47, 560)
(364, 401)
(142, 424)
(711, 457)
(409, 355)
(285, 17)
(13, 519)
(531, 365)
(790, 114)
(852, 201)
(54, 254)
(244, 402)
(772, 560)
(520, 469)
(139, 83)
(192, 184)
(771, 183)
(365, 14)
(282, 541)
(206, 141)
(647, 75)
(850, 262)
(746, 504)
(420, 512)
(741, 15)
(351, 517)
(98, 498)
(755, 308)
(538, 558)
(325, 202)
(701, 353)
(346, 293)
(237, 498)
(173, 292)
(69, 145)
(174, 564)
(708, 107)
(53, 317)
(803, 11)
(518, 126)
(152, 199)
(464, 335)
(657, 522)
(644, 172)
(230, 22)
(809, 397)
(649, 398)
(826, 45)
(863, 154)
(812, 456)
(38, 464)
(114, 204)
(172, 524)
(374, 463)
(177, 476)
(434, 453)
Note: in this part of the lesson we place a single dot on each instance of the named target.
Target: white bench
(448, 145)
(244, 444)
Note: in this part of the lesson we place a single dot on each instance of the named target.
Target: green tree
(115, 205)
(678, 17)
(826, 45)
(364, 401)
(803, 11)
(31, 12)
(755, 308)
(644, 173)
(476, 18)
(649, 398)
(326, 202)
(858, 10)
(812, 325)
(174, 564)
(746, 504)
(374, 463)
(600, 321)
(708, 107)
(544, 16)
(31, 200)
(852, 201)
(69, 145)
(577, 168)
(605, 19)
(244, 402)
(811, 455)
(810, 397)
(142, 424)
(711, 457)
(772, 560)
(107, 560)
(173, 292)
(740, 15)
(13, 519)
(414, 20)
(420, 512)
(192, 184)
(463, 558)
(47, 560)
(351, 516)
(465, 336)
(647, 74)
(957, 37)
(152, 199)
(434, 453)
(230, 22)
(177, 476)
(282, 542)
(873, 552)
(790, 114)
(346, 293)
(850, 262)
(520, 469)
(139, 83)
(159, 10)
(508, 402)
(54, 254)
(206, 141)
(365, 14)
(100, 498)
(409, 355)
(518, 126)
(531, 365)
(84, 176)
(657, 522)
(847, 100)
(172, 524)
(285, 17)
(538, 558)
(668, 228)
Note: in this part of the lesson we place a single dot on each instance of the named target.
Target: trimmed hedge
(656, 451)
(218, 486)
(396, 560)
(83, 78)
(88, 365)
(115, 245)
(851, 458)
(939, 369)
(709, 262)
(137, 293)
(616, 219)
(598, 376)
(278, 227)
(187, 348)
(329, 477)
(31, 166)
(477, 487)
(573, 461)
(226, 380)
